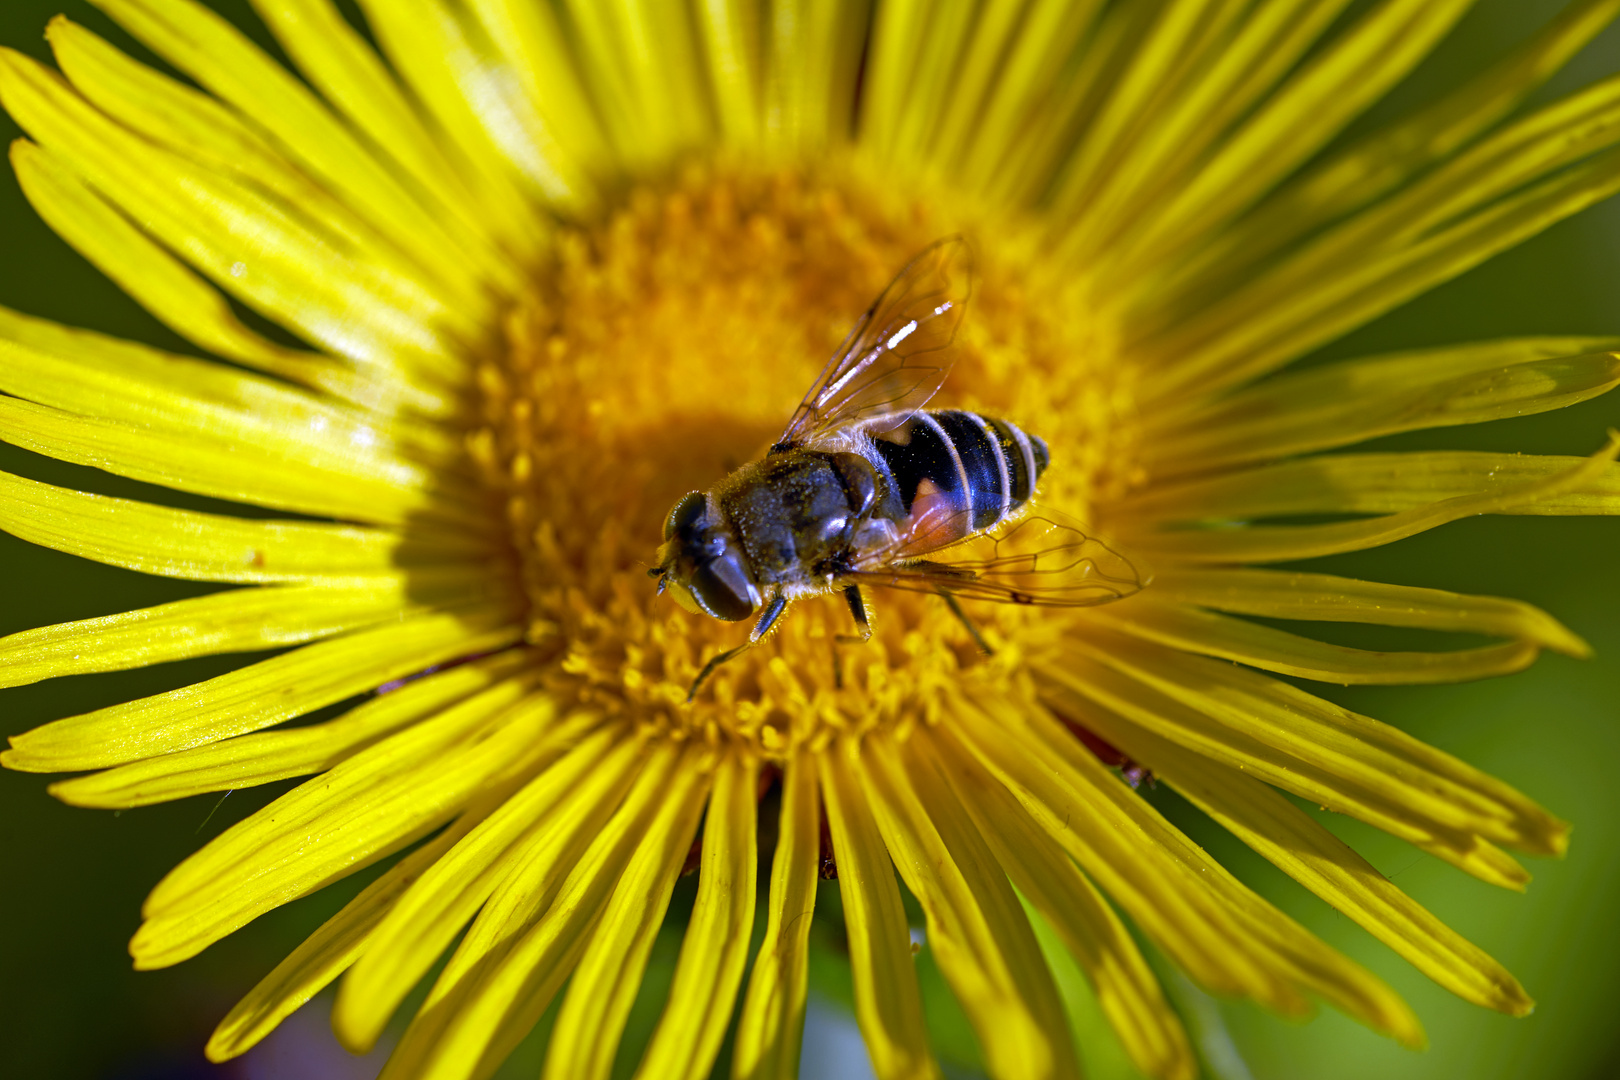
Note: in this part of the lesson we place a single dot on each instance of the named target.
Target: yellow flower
(555, 266)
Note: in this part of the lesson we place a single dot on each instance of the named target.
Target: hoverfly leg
(857, 608)
(762, 626)
(767, 618)
(961, 616)
(714, 662)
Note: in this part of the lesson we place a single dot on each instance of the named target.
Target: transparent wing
(1044, 559)
(895, 358)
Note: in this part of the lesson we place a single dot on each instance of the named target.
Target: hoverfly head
(701, 564)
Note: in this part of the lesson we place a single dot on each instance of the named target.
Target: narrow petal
(1049, 36)
(928, 70)
(1292, 308)
(209, 547)
(642, 63)
(352, 489)
(265, 756)
(715, 950)
(591, 1021)
(1126, 989)
(1409, 803)
(1326, 93)
(1149, 168)
(241, 620)
(261, 251)
(258, 695)
(1193, 630)
(1379, 483)
(975, 81)
(530, 932)
(540, 56)
(731, 47)
(1352, 401)
(1280, 594)
(1320, 739)
(1284, 543)
(205, 46)
(369, 806)
(92, 374)
(888, 1004)
(1148, 868)
(1280, 943)
(1154, 70)
(158, 281)
(1390, 156)
(447, 895)
(465, 83)
(813, 59)
(1323, 863)
(771, 1027)
(346, 70)
(326, 953)
(976, 928)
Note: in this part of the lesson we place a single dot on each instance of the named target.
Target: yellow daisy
(553, 266)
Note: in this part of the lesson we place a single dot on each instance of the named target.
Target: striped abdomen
(976, 466)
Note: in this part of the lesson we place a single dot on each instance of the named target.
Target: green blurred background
(71, 881)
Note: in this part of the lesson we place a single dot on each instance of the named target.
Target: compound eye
(721, 590)
(685, 514)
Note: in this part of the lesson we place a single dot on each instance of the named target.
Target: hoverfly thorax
(701, 563)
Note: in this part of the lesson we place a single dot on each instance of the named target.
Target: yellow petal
(1327, 92)
(771, 1026)
(241, 620)
(1279, 594)
(356, 488)
(922, 60)
(1379, 484)
(814, 51)
(1294, 307)
(976, 929)
(1193, 630)
(715, 950)
(1385, 159)
(1422, 805)
(1279, 943)
(208, 547)
(158, 281)
(976, 81)
(255, 248)
(365, 808)
(531, 930)
(1051, 32)
(586, 1036)
(1142, 863)
(1126, 990)
(205, 46)
(1280, 543)
(730, 36)
(466, 84)
(1323, 863)
(888, 1004)
(343, 66)
(448, 894)
(94, 375)
(1351, 401)
(1281, 715)
(1197, 113)
(327, 952)
(265, 756)
(260, 694)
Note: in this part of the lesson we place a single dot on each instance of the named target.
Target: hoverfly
(866, 488)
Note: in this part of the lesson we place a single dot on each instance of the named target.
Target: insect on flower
(865, 485)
